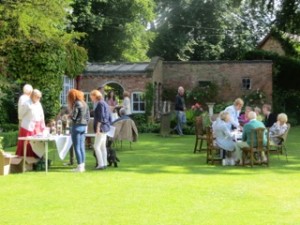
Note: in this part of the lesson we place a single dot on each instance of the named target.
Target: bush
(149, 128)
(10, 139)
(6, 127)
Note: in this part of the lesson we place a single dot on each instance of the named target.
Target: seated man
(270, 118)
(246, 138)
(123, 115)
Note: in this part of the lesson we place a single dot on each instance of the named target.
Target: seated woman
(278, 128)
(243, 119)
(259, 116)
(224, 139)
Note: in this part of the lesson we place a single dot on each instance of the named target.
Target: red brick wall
(131, 83)
(227, 74)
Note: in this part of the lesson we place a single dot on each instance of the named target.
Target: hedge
(9, 138)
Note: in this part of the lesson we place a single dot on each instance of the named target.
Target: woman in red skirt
(33, 122)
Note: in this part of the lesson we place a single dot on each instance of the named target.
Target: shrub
(6, 127)
(10, 139)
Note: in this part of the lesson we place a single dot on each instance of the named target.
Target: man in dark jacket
(270, 118)
(180, 110)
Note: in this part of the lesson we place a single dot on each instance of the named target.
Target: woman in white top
(33, 121)
(278, 128)
(126, 103)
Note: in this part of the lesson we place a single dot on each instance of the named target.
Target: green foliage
(117, 30)
(35, 47)
(9, 138)
(207, 93)
(254, 98)
(207, 30)
(220, 106)
(286, 81)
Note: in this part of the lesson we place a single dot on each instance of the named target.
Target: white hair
(252, 115)
(180, 88)
(27, 89)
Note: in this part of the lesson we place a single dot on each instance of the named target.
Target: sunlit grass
(159, 181)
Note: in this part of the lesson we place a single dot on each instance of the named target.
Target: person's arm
(75, 111)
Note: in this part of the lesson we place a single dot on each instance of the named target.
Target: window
(68, 84)
(204, 83)
(246, 83)
(138, 102)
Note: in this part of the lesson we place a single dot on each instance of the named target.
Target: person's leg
(104, 150)
(179, 123)
(99, 140)
(238, 150)
(82, 146)
(76, 143)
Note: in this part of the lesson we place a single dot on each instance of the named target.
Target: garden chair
(259, 149)
(213, 152)
(125, 130)
(200, 134)
(279, 148)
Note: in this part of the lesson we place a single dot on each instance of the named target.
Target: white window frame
(132, 102)
(250, 83)
(68, 83)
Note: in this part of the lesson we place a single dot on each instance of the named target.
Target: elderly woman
(80, 116)
(234, 112)
(33, 122)
(278, 128)
(243, 119)
(224, 139)
(102, 121)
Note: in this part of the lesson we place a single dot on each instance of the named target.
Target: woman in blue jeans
(80, 116)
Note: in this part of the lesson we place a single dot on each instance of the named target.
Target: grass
(160, 181)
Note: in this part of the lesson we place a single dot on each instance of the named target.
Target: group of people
(32, 121)
(230, 119)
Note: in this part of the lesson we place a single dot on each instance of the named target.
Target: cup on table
(46, 131)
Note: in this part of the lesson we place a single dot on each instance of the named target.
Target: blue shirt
(102, 115)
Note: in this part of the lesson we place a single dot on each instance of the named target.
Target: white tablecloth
(63, 144)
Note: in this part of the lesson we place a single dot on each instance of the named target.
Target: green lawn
(159, 181)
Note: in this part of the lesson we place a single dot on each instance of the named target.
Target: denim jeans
(181, 120)
(78, 139)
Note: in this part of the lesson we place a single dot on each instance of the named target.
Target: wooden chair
(279, 148)
(259, 149)
(200, 134)
(213, 151)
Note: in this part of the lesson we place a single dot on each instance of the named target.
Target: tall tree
(36, 48)
(116, 29)
(204, 30)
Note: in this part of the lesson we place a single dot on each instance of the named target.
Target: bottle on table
(59, 127)
(67, 130)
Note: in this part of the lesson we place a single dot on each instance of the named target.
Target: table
(40, 144)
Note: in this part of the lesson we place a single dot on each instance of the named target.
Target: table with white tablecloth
(39, 146)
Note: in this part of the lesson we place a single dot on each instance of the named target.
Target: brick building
(235, 78)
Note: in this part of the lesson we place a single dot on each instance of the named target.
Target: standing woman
(80, 116)
(32, 123)
(126, 103)
(112, 103)
(102, 121)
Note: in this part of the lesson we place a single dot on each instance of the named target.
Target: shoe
(100, 168)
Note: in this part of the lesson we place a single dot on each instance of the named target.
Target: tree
(205, 30)
(116, 29)
(37, 49)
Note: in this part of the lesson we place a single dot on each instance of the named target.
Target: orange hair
(74, 95)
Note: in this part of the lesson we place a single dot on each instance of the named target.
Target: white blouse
(33, 112)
